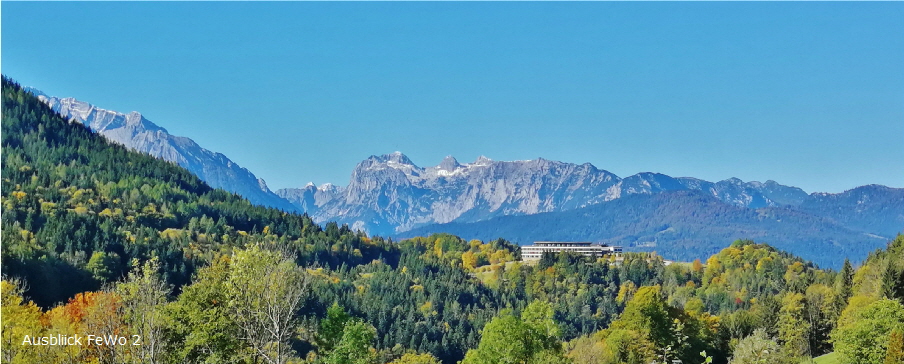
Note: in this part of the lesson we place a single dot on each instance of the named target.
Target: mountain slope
(682, 225)
(872, 208)
(78, 210)
(136, 132)
(389, 194)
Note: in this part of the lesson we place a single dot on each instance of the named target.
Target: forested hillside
(100, 240)
(138, 133)
(687, 225)
(79, 209)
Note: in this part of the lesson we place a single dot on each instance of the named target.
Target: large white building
(535, 252)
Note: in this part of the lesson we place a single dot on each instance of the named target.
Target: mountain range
(136, 132)
(540, 199)
(524, 201)
(389, 194)
(690, 224)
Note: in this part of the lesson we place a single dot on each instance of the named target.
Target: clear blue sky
(807, 94)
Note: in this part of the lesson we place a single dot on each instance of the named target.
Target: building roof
(566, 243)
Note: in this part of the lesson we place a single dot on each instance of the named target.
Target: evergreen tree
(547, 259)
(844, 284)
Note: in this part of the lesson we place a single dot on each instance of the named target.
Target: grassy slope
(830, 358)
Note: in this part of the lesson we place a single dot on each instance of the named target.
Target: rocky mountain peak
(397, 157)
(328, 187)
(34, 91)
(135, 132)
(449, 164)
(394, 159)
(483, 161)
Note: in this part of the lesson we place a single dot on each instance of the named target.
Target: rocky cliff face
(389, 194)
(136, 132)
(311, 198)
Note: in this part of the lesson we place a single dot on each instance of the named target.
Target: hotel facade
(535, 252)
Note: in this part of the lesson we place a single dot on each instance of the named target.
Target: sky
(806, 94)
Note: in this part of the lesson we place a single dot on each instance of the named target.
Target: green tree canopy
(864, 338)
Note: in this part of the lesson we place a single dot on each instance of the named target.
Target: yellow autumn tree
(412, 358)
(20, 318)
(468, 260)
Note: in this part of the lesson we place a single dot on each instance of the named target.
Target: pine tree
(546, 260)
(844, 285)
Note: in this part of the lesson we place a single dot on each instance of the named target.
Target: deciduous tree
(863, 338)
(266, 289)
(143, 297)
